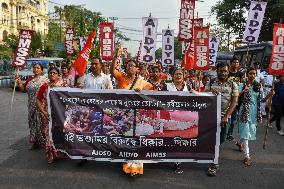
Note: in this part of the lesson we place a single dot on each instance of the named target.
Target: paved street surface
(23, 168)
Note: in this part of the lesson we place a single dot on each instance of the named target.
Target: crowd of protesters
(242, 97)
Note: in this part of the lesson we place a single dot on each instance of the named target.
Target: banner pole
(269, 103)
(14, 89)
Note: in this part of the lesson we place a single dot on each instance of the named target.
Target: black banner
(148, 126)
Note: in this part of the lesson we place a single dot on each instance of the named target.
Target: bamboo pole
(269, 103)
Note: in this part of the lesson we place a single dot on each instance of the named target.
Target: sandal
(212, 170)
(50, 160)
(248, 161)
(240, 146)
(177, 168)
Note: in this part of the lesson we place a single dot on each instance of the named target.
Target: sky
(130, 13)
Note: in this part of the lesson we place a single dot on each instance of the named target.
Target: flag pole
(269, 103)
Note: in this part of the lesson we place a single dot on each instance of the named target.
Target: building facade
(23, 14)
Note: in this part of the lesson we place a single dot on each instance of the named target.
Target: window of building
(5, 34)
(5, 6)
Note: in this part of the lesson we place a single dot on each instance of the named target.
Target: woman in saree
(129, 80)
(41, 101)
(31, 87)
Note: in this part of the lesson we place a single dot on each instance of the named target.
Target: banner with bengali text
(148, 126)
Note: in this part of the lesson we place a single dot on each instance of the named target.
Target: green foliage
(36, 43)
(231, 16)
(11, 42)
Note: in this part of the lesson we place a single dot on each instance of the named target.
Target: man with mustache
(229, 98)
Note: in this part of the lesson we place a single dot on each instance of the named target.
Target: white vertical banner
(149, 40)
(168, 42)
(254, 22)
(213, 50)
(83, 41)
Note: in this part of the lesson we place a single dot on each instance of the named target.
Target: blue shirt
(278, 98)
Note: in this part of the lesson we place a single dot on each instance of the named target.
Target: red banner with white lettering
(81, 62)
(276, 66)
(201, 48)
(23, 48)
(186, 20)
(107, 40)
(69, 41)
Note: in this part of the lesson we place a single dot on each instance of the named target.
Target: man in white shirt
(266, 82)
(96, 79)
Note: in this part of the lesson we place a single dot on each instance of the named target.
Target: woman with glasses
(41, 101)
(31, 86)
(129, 80)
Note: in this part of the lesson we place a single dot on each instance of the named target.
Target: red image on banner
(276, 66)
(69, 41)
(201, 48)
(81, 62)
(186, 20)
(23, 48)
(107, 40)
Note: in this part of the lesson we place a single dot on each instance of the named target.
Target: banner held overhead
(148, 50)
(168, 47)
(254, 22)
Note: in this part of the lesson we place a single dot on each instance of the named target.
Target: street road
(23, 168)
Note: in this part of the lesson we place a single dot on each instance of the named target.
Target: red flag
(107, 40)
(201, 48)
(188, 60)
(82, 60)
(23, 48)
(276, 66)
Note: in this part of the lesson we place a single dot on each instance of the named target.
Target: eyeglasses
(131, 65)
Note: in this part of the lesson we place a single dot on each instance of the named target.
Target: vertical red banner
(107, 40)
(69, 41)
(23, 48)
(186, 20)
(276, 66)
(201, 48)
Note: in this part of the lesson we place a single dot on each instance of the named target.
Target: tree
(36, 45)
(230, 15)
(158, 53)
(84, 22)
(11, 42)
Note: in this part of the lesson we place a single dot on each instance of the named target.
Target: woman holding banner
(178, 84)
(31, 86)
(129, 80)
(250, 113)
(41, 101)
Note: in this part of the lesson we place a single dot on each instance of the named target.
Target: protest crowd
(246, 93)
